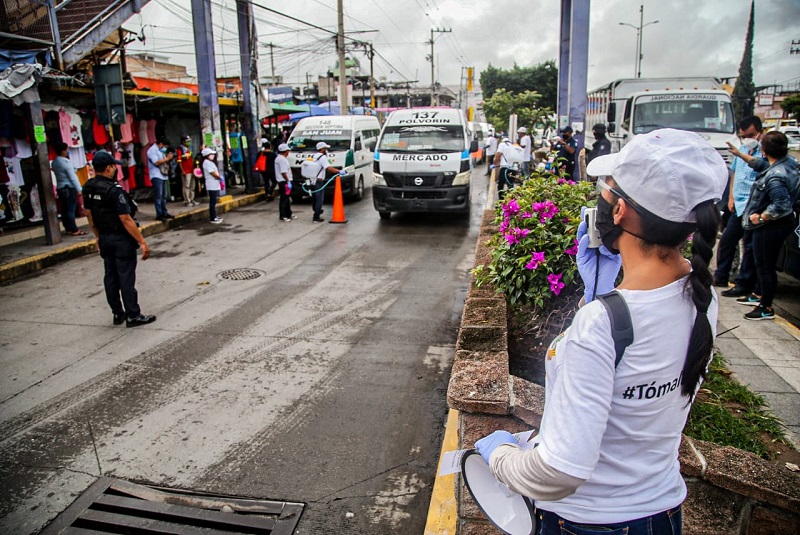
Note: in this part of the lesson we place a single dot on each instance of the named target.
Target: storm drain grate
(116, 506)
(240, 274)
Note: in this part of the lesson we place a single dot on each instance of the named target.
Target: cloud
(691, 38)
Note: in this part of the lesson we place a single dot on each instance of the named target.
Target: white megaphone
(510, 512)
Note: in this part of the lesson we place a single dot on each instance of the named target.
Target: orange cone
(338, 203)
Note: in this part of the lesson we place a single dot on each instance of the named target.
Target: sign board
(280, 94)
(773, 114)
(766, 100)
(109, 94)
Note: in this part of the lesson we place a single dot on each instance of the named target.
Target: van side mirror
(371, 146)
(357, 144)
(611, 116)
(473, 147)
(611, 128)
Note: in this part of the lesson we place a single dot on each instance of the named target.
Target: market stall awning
(285, 109)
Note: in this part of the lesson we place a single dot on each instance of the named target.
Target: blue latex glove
(491, 167)
(342, 172)
(489, 443)
(588, 266)
(288, 188)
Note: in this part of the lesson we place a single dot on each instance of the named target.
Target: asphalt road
(322, 381)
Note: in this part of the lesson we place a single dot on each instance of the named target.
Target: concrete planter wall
(730, 491)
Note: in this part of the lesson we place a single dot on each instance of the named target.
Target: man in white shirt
(318, 187)
(525, 143)
(491, 150)
(505, 177)
(156, 156)
(283, 174)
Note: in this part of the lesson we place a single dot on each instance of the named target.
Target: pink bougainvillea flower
(521, 232)
(511, 207)
(504, 226)
(572, 250)
(526, 215)
(536, 259)
(555, 283)
(511, 238)
(571, 182)
(562, 181)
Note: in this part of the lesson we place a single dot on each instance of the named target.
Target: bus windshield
(423, 138)
(696, 113)
(307, 139)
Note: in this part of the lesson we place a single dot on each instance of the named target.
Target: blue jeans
(664, 523)
(69, 203)
(213, 197)
(318, 197)
(160, 196)
(732, 234)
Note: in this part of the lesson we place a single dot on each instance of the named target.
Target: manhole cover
(240, 274)
(117, 506)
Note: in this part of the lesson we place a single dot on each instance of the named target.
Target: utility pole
(371, 78)
(207, 77)
(248, 60)
(639, 30)
(433, 71)
(272, 63)
(340, 49)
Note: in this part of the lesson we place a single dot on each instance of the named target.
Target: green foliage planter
(533, 254)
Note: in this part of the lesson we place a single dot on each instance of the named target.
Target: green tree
(503, 103)
(541, 78)
(791, 105)
(744, 91)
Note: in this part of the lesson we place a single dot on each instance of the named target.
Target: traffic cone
(338, 203)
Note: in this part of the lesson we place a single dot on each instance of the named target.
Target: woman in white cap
(606, 459)
(213, 183)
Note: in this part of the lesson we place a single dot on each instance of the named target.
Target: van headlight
(378, 179)
(462, 179)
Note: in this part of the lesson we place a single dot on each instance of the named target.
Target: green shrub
(533, 252)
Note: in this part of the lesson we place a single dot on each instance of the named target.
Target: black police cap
(103, 159)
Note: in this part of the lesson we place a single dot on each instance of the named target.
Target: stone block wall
(729, 491)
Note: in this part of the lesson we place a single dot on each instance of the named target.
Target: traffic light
(108, 94)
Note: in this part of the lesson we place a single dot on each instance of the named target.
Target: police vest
(103, 205)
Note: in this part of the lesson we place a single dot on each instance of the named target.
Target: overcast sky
(691, 38)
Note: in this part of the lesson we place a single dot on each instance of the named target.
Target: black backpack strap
(621, 324)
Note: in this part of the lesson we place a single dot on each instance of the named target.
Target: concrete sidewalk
(765, 356)
(24, 251)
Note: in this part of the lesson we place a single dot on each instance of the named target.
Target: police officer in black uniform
(567, 147)
(110, 213)
(602, 145)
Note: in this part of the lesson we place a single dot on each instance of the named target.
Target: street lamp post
(639, 28)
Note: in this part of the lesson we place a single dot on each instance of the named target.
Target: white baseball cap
(322, 145)
(522, 129)
(264, 141)
(283, 147)
(207, 151)
(668, 172)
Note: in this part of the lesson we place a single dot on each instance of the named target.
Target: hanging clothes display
(143, 137)
(23, 148)
(100, 133)
(151, 131)
(125, 133)
(65, 125)
(86, 129)
(76, 135)
(77, 156)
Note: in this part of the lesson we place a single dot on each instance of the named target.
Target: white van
(352, 139)
(422, 162)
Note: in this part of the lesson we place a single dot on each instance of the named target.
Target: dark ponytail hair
(701, 341)
(659, 232)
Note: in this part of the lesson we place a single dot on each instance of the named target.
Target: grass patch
(729, 414)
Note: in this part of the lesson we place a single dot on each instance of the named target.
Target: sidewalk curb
(19, 268)
(443, 509)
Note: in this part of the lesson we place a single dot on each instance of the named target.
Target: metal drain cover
(240, 274)
(116, 506)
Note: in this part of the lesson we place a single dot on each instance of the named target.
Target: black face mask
(609, 231)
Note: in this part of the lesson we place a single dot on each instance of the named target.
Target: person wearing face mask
(567, 146)
(110, 213)
(606, 456)
(742, 178)
(156, 157)
(769, 216)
